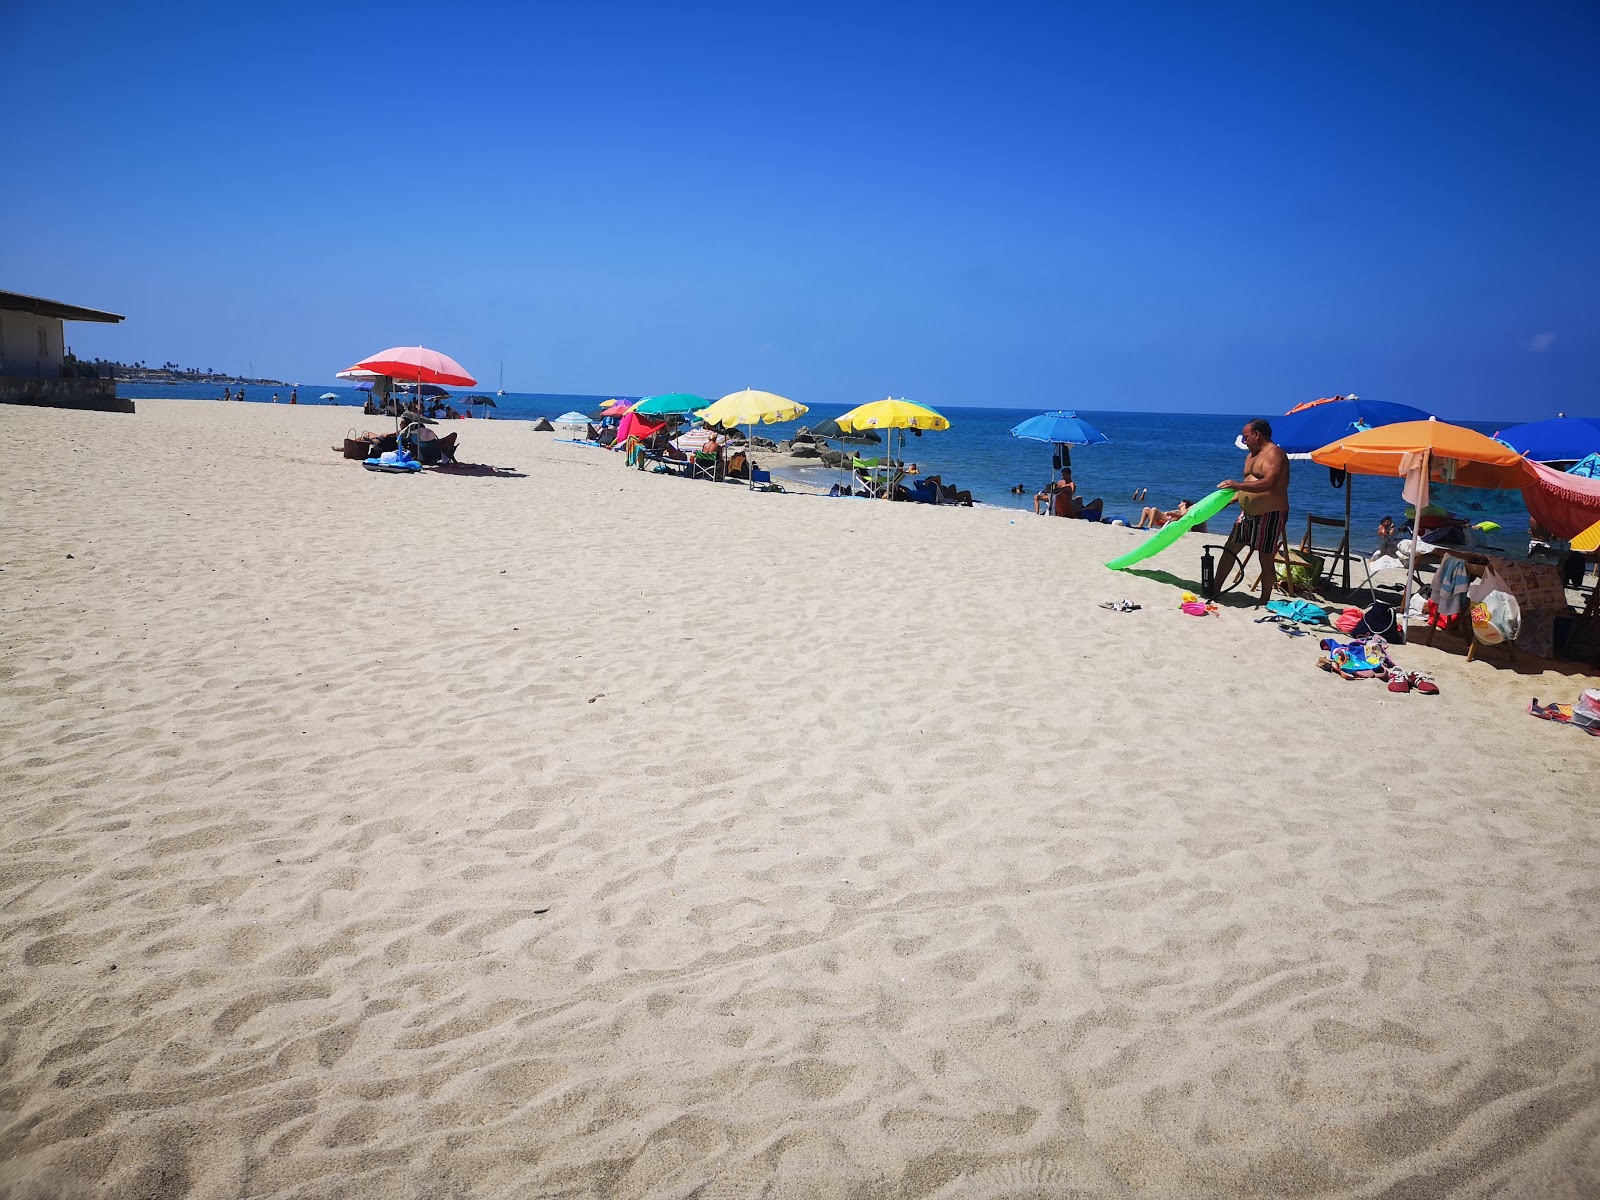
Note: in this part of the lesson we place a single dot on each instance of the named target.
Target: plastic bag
(1496, 618)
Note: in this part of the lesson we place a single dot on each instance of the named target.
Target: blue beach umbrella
(1560, 439)
(1314, 426)
(1062, 428)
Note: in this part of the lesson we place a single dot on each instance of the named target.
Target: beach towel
(1450, 583)
(1298, 610)
(1564, 503)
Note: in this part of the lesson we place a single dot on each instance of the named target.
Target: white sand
(592, 833)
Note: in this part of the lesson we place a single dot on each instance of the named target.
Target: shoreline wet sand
(570, 830)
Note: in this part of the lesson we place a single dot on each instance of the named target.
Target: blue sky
(1177, 207)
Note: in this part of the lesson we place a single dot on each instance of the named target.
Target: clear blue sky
(1182, 207)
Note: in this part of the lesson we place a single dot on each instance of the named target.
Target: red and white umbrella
(417, 364)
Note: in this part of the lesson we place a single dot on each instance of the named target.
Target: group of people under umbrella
(651, 427)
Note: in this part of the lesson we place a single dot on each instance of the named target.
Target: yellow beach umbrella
(751, 408)
(1589, 540)
(892, 414)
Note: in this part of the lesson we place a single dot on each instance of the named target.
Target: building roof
(17, 302)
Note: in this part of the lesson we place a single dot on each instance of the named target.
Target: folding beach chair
(1333, 556)
(1286, 561)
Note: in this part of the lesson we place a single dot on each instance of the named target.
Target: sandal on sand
(1123, 605)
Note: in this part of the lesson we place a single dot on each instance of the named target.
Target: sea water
(1172, 456)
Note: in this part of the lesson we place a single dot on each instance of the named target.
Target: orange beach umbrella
(1463, 456)
(1420, 451)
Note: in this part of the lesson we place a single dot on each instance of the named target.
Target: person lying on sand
(948, 492)
(1154, 518)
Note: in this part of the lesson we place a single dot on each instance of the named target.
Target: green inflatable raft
(1173, 530)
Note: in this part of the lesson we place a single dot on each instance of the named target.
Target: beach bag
(1302, 574)
(1348, 620)
(1586, 712)
(1496, 618)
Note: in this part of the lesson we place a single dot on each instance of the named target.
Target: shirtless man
(1264, 499)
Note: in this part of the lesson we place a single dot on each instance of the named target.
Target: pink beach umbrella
(418, 364)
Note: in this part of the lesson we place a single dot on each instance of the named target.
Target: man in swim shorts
(1264, 503)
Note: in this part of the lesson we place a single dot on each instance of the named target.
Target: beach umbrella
(572, 418)
(417, 364)
(1588, 541)
(1560, 439)
(892, 414)
(1422, 451)
(751, 408)
(633, 425)
(328, 396)
(1309, 427)
(1063, 429)
(670, 404)
(431, 390)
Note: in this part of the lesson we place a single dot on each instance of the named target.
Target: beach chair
(875, 477)
(1288, 563)
(706, 464)
(1331, 557)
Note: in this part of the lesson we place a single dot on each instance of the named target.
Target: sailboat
(502, 390)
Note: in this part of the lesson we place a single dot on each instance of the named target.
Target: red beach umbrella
(417, 364)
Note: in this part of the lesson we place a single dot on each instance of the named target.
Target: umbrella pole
(1349, 486)
(1418, 503)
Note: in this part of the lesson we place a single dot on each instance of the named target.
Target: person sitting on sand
(1052, 490)
(1154, 518)
(369, 408)
(1064, 500)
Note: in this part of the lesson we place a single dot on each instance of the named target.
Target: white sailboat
(502, 390)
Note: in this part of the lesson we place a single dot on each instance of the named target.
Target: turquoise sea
(1174, 455)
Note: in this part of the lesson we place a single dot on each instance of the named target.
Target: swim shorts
(1260, 532)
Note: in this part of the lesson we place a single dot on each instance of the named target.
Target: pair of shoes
(1123, 605)
(1415, 681)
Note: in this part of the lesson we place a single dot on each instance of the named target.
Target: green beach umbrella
(670, 404)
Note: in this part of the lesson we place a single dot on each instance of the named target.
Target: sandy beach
(565, 830)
